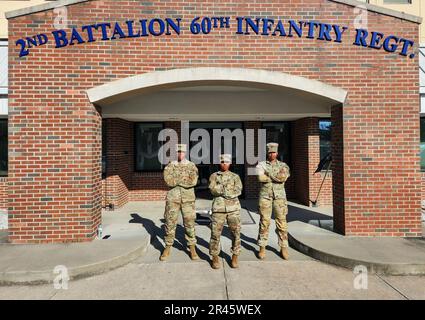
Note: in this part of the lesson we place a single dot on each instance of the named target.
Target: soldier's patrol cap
(226, 158)
(181, 148)
(272, 147)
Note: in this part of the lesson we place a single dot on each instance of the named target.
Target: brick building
(90, 92)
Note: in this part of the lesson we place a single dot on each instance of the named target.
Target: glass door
(208, 167)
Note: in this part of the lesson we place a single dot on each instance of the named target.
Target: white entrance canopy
(215, 94)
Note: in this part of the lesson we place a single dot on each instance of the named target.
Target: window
(3, 147)
(325, 137)
(397, 1)
(279, 132)
(3, 67)
(147, 146)
(3, 78)
(423, 143)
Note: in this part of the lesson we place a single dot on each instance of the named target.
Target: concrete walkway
(386, 255)
(35, 264)
(180, 278)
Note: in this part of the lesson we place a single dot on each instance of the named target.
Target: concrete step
(35, 264)
(381, 255)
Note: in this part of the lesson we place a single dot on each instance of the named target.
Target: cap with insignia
(272, 147)
(226, 158)
(181, 148)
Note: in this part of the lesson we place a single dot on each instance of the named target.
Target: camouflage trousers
(280, 208)
(217, 223)
(172, 211)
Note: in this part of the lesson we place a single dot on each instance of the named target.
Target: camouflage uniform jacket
(272, 176)
(181, 177)
(226, 187)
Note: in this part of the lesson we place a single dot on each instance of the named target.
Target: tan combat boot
(234, 263)
(193, 254)
(215, 263)
(165, 253)
(284, 252)
(262, 253)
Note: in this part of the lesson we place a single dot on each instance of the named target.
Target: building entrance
(208, 167)
(275, 132)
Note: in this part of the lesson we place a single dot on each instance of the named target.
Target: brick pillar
(54, 167)
(119, 150)
(304, 141)
(338, 168)
(378, 191)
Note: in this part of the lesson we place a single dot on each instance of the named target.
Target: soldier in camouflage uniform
(226, 187)
(272, 175)
(181, 176)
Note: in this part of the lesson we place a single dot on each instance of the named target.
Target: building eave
(381, 10)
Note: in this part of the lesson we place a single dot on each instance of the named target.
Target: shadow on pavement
(245, 240)
(156, 233)
(294, 213)
(305, 215)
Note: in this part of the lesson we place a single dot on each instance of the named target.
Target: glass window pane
(147, 146)
(397, 1)
(3, 67)
(325, 137)
(3, 147)
(279, 132)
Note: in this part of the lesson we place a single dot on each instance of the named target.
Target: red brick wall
(54, 167)
(306, 157)
(317, 181)
(3, 193)
(118, 171)
(300, 159)
(338, 180)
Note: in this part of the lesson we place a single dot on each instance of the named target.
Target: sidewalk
(383, 255)
(35, 264)
(146, 277)
(138, 226)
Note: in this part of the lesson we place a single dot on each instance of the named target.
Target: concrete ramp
(383, 255)
(37, 264)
